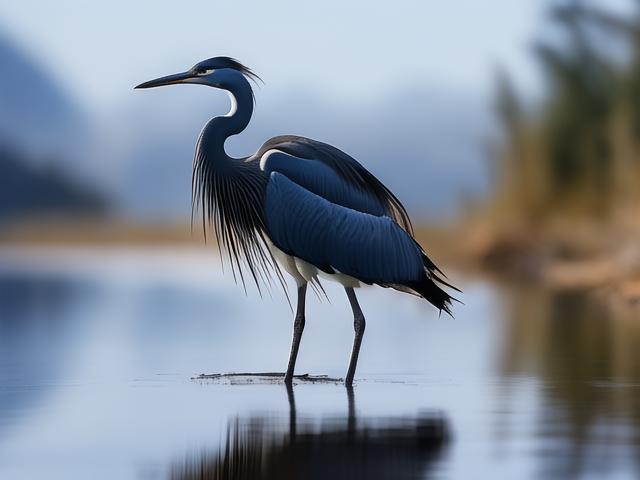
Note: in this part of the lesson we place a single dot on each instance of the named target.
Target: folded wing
(332, 174)
(373, 249)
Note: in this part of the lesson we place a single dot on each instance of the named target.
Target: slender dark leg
(358, 326)
(298, 327)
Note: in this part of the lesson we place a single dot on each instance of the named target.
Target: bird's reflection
(261, 447)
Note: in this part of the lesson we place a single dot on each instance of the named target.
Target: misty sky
(401, 85)
(334, 48)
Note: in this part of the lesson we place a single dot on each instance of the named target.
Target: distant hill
(26, 190)
(41, 133)
(35, 113)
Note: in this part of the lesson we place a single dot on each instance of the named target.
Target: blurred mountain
(27, 190)
(42, 135)
(36, 115)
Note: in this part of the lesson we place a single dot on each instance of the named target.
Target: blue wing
(373, 249)
(354, 184)
(319, 178)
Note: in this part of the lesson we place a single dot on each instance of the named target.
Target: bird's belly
(341, 278)
(287, 262)
(304, 272)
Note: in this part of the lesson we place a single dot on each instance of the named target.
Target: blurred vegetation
(575, 154)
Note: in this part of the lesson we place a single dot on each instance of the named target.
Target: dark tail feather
(431, 292)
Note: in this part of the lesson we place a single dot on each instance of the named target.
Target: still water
(97, 352)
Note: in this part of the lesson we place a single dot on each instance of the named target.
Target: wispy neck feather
(230, 191)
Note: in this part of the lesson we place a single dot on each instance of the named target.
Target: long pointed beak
(168, 80)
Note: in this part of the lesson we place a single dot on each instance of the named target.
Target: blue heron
(302, 205)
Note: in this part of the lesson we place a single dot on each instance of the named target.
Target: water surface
(97, 351)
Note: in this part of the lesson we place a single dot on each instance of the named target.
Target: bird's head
(219, 72)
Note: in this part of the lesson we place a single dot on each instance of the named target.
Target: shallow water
(97, 351)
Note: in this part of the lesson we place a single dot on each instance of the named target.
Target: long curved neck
(219, 129)
(228, 190)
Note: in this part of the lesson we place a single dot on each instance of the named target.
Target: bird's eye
(204, 71)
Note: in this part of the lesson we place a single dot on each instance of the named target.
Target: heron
(303, 206)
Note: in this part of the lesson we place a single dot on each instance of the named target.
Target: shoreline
(608, 265)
